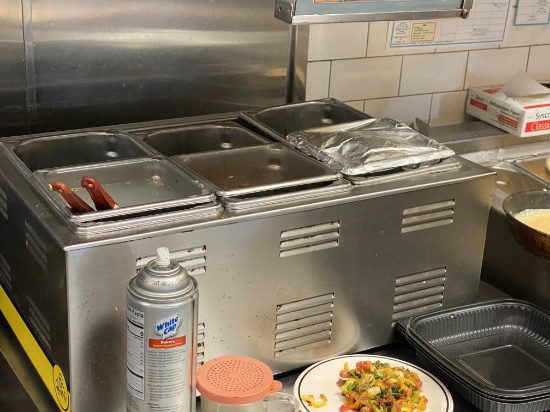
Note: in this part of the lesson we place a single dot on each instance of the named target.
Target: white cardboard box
(520, 115)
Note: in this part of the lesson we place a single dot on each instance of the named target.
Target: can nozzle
(163, 257)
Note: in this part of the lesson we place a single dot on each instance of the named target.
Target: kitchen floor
(18, 377)
(13, 396)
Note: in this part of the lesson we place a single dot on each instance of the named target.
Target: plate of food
(366, 383)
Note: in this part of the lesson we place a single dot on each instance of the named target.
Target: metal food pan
(211, 210)
(535, 167)
(446, 165)
(501, 347)
(279, 121)
(137, 185)
(74, 149)
(256, 169)
(313, 191)
(199, 138)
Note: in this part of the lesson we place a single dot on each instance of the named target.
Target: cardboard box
(522, 116)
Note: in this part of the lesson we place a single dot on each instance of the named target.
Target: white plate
(322, 378)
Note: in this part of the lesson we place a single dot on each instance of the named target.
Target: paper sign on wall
(532, 12)
(486, 23)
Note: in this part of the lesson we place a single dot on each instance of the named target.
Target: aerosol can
(161, 312)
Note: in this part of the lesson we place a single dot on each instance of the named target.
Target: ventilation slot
(309, 239)
(200, 344)
(3, 204)
(5, 273)
(304, 324)
(428, 216)
(36, 246)
(40, 324)
(418, 293)
(192, 259)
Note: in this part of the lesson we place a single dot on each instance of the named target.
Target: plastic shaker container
(239, 384)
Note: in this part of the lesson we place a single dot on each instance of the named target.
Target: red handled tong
(75, 202)
(102, 200)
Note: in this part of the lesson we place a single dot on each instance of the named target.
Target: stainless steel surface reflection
(69, 65)
(139, 60)
(13, 114)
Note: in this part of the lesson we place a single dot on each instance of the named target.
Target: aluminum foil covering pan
(496, 354)
(369, 146)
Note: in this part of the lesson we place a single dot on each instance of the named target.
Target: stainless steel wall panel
(13, 113)
(102, 62)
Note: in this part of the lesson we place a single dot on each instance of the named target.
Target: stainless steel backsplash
(67, 65)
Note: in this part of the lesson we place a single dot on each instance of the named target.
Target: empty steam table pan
(496, 353)
(138, 186)
(279, 121)
(32, 153)
(186, 139)
(536, 167)
(256, 169)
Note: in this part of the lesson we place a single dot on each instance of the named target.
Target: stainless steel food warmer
(307, 274)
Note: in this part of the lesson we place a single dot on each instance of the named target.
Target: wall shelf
(341, 11)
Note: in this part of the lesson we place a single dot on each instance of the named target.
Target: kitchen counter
(22, 390)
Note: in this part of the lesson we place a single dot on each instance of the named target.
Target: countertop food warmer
(288, 273)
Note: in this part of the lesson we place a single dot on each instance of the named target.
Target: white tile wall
(337, 41)
(349, 61)
(406, 109)
(433, 73)
(354, 79)
(357, 104)
(538, 65)
(449, 108)
(318, 76)
(489, 67)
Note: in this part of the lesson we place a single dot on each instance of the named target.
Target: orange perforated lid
(236, 380)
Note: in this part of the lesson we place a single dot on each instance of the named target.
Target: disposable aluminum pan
(279, 121)
(257, 169)
(138, 186)
(480, 400)
(496, 353)
(176, 140)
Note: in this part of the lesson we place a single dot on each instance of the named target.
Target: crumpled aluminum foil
(369, 146)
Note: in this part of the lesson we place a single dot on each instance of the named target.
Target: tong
(75, 202)
(102, 200)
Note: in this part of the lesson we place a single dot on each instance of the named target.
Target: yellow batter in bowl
(538, 219)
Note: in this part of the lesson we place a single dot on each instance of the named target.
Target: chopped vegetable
(310, 399)
(378, 387)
